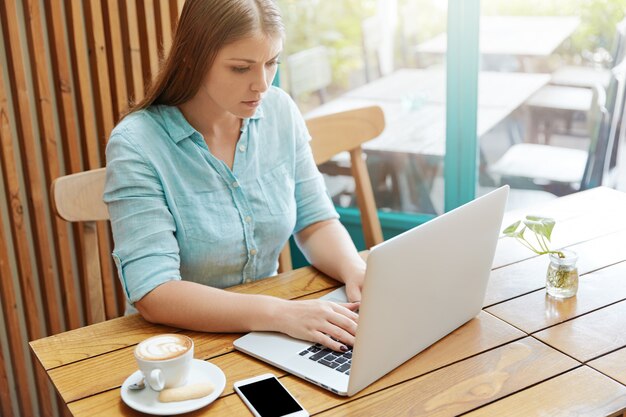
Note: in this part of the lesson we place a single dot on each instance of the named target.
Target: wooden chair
(341, 132)
(78, 198)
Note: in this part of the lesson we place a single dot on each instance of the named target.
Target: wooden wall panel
(69, 140)
(15, 336)
(69, 70)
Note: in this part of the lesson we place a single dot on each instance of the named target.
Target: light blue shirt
(178, 212)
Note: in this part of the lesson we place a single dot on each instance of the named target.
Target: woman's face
(242, 73)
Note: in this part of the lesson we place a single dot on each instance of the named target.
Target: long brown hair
(204, 27)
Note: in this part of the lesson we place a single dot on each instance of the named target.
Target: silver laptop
(419, 286)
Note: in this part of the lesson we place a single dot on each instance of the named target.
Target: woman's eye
(240, 70)
(273, 63)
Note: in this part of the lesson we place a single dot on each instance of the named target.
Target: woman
(209, 175)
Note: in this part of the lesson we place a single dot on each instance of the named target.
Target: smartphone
(265, 396)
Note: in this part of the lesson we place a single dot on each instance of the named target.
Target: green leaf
(510, 231)
(540, 225)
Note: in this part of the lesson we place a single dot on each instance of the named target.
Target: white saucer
(146, 400)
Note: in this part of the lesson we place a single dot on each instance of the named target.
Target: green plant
(541, 227)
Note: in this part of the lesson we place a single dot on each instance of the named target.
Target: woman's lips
(254, 103)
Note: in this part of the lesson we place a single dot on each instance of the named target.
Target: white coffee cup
(165, 360)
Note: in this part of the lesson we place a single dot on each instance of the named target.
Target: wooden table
(524, 354)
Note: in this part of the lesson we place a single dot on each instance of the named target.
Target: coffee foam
(163, 347)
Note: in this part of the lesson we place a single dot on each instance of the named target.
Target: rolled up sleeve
(146, 251)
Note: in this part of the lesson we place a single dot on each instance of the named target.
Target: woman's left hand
(354, 284)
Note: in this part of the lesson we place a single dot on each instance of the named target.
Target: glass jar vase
(562, 275)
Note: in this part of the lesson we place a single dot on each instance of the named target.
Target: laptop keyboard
(339, 361)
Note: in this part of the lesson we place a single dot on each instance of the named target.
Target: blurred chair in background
(588, 76)
(569, 93)
(309, 71)
(564, 170)
(377, 39)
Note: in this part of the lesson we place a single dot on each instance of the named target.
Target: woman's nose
(261, 83)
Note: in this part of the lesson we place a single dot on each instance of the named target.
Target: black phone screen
(270, 398)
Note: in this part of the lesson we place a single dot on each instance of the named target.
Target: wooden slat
(45, 116)
(5, 394)
(595, 333)
(94, 293)
(612, 364)
(165, 7)
(138, 70)
(537, 311)
(85, 110)
(157, 14)
(85, 95)
(125, 48)
(35, 190)
(115, 57)
(153, 39)
(584, 390)
(105, 121)
(144, 40)
(10, 312)
(70, 137)
(465, 385)
(101, 89)
(106, 271)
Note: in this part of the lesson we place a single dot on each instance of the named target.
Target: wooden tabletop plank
(100, 373)
(127, 331)
(530, 275)
(94, 340)
(581, 392)
(612, 364)
(589, 336)
(579, 217)
(465, 385)
(537, 310)
(479, 335)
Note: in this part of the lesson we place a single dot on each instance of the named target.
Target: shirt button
(235, 184)
(242, 148)
(248, 219)
(253, 252)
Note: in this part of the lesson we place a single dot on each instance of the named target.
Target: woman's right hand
(320, 321)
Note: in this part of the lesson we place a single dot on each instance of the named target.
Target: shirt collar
(179, 128)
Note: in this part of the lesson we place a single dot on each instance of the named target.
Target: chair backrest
(309, 71)
(346, 132)
(606, 116)
(618, 50)
(78, 198)
(371, 40)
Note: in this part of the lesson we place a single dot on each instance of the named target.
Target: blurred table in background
(413, 144)
(519, 36)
